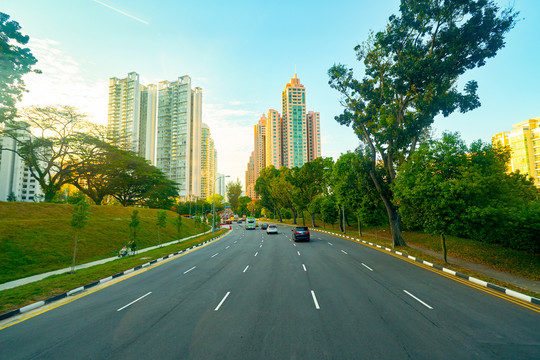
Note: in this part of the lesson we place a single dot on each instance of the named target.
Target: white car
(271, 229)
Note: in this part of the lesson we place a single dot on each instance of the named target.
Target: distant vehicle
(271, 229)
(264, 226)
(300, 233)
(251, 223)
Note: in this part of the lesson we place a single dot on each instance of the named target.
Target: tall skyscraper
(313, 138)
(124, 112)
(289, 140)
(293, 110)
(208, 163)
(524, 142)
(163, 124)
(274, 136)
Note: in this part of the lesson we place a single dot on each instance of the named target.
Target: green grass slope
(37, 237)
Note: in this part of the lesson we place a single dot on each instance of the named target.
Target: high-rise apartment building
(289, 140)
(313, 135)
(293, 111)
(274, 136)
(208, 163)
(15, 177)
(251, 176)
(524, 143)
(124, 112)
(163, 124)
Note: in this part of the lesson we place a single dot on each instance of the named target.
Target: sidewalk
(519, 281)
(31, 279)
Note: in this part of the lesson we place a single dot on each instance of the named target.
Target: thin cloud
(122, 12)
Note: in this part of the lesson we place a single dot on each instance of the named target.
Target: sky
(242, 54)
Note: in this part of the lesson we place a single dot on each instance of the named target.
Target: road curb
(38, 304)
(498, 288)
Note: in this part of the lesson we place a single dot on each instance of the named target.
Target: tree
(243, 202)
(133, 226)
(234, 190)
(137, 180)
(329, 210)
(15, 61)
(178, 224)
(447, 188)
(161, 223)
(79, 219)
(216, 200)
(45, 140)
(11, 197)
(308, 182)
(412, 70)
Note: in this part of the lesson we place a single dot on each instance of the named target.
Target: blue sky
(242, 53)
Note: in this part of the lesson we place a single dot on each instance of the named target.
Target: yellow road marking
(69, 299)
(499, 294)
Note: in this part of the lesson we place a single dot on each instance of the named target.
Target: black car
(264, 226)
(300, 233)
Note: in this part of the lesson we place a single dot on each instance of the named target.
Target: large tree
(15, 61)
(234, 191)
(412, 70)
(46, 139)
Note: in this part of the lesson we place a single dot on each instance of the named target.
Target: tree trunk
(303, 218)
(359, 227)
(74, 253)
(294, 216)
(313, 220)
(341, 221)
(443, 244)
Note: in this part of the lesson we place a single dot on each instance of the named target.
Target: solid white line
(185, 272)
(256, 253)
(216, 254)
(315, 300)
(227, 247)
(304, 266)
(370, 269)
(298, 252)
(330, 243)
(134, 301)
(417, 299)
(245, 269)
(343, 251)
(222, 301)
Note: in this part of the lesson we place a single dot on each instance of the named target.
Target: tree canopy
(412, 68)
(234, 191)
(15, 61)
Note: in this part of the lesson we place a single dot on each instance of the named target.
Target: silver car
(271, 229)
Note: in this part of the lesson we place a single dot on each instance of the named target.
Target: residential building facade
(524, 143)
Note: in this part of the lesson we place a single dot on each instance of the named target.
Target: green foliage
(11, 197)
(161, 219)
(81, 214)
(447, 188)
(133, 225)
(286, 214)
(76, 197)
(411, 71)
(46, 139)
(243, 202)
(16, 61)
(178, 223)
(234, 190)
(329, 210)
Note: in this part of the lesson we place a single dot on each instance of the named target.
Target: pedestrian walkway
(34, 278)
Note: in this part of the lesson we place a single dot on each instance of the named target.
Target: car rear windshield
(302, 228)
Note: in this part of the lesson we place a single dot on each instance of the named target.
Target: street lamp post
(214, 205)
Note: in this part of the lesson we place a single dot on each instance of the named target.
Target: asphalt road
(256, 296)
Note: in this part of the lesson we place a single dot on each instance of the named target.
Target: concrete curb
(501, 289)
(38, 304)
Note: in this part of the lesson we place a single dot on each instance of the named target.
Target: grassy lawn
(15, 298)
(37, 237)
